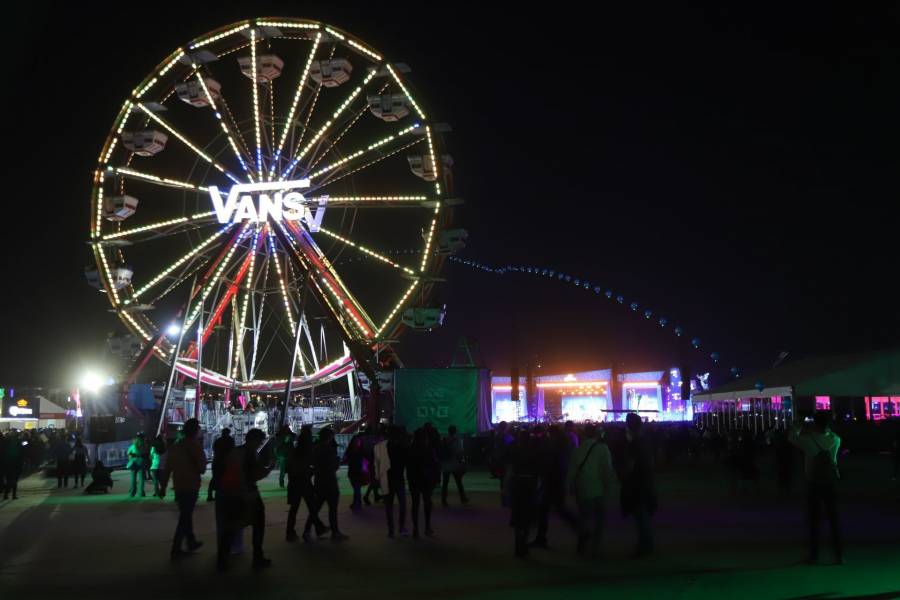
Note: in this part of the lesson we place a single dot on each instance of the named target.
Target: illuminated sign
(17, 408)
(246, 202)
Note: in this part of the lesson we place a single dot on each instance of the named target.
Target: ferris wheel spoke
(213, 276)
(289, 122)
(130, 173)
(170, 227)
(397, 307)
(297, 156)
(282, 286)
(165, 272)
(378, 145)
(332, 290)
(254, 83)
(187, 142)
(365, 250)
(223, 124)
(248, 293)
(316, 157)
(411, 201)
(315, 187)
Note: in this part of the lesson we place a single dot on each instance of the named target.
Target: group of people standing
(540, 467)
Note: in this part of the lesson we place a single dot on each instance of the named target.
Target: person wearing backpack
(820, 447)
(590, 477)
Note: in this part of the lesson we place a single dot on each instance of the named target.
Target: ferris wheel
(249, 201)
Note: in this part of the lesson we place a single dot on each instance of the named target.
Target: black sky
(735, 169)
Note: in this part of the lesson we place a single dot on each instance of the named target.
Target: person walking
(158, 466)
(136, 465)
(638, 494)
(325, 463)
(423, 470)
(820, 446)
(186, 462)
(300, 486)
(221, 447)
(453, 463)
(285, 441)
(238, 502)
(395, 476)
(590, 478)
(78, 462)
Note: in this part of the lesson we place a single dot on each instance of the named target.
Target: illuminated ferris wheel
(250, 199)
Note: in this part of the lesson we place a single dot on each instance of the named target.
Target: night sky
(734, 170)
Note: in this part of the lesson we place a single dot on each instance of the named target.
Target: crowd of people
(540, 470)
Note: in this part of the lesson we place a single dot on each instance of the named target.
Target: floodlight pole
(172, 369)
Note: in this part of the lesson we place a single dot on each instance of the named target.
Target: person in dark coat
(638, 494)
(300, 486)
(61, 452)
(423, 470)
(238, 503)
(78, 462)
(398, 452)
(101, 479)
(523, 485)
(556, 452)
(325, 464)
(14, 461)
(221, 447)
(357, 470)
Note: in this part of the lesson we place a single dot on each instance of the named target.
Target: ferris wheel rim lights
(189, 63)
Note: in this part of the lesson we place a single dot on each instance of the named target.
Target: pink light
(572, 384)
(823, 402)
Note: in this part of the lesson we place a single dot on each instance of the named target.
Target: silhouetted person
(784, 463)
(221, 447)
(101, 479)
(3, 441)
(285, 443)
(300, 485)
(397, 452)
(186, 462)
(555, 451)
(590, 476)
(638, 494)
(238, 502)
(357, 469)
(325, 464)
(423, 471)
(522, 485)
(895, 453)
(78, 462)
(13, 464)
(453, 463)
(61, 452)
(820, 447)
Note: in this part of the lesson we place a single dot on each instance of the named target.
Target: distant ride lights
(209, 226)
(609, 294)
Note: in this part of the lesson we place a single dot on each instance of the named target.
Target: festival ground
(711, 544)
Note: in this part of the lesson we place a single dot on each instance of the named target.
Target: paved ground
(712, 544)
